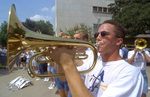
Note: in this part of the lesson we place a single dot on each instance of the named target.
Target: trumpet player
(82, 64)
(139, 58)
(113, 77)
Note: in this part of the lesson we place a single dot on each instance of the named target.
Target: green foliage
(133, 14)
(42, 26)
(3, 34)
(82, 26)
(1, 66)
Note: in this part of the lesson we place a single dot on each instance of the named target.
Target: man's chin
(100, 50)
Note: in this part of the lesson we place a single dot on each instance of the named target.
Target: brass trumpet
(21, 38)
(140, 44)
(79, 56)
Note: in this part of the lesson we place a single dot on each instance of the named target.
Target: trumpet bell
(20, 39)
(141, 43)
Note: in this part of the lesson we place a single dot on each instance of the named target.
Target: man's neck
(114, 56)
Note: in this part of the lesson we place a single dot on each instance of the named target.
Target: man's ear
(119, 41)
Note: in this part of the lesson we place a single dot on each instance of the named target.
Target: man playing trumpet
(139, 58)
(114, 77)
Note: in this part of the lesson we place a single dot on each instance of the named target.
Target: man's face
(107, 39)
(78, 37)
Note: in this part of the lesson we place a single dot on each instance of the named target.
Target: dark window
(104, 9)
(99, 9)
(95, 9)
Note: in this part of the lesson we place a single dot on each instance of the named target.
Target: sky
(31, 9)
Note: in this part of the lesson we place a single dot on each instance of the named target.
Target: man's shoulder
(125, 49)
(129, 68)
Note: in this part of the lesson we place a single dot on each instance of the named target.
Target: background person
(29, 54)
(139, 58)
(35, 63)
(23, 59)
(124, 51)
(42, 66)
(18, 63)
(3, 55)
(81, 64)
(51, 70)
(61, 83)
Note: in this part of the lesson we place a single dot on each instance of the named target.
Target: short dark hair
(84, 33)
(119, 29)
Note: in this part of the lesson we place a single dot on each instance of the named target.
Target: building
(92, 13)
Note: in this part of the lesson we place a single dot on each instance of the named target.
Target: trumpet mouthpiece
(97, 44)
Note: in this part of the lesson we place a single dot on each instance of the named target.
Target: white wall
(74, 12)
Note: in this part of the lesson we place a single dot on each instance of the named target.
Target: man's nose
(99, 37)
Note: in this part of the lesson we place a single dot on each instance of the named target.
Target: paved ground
(39, 88)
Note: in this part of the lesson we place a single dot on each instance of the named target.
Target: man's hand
(136, 49)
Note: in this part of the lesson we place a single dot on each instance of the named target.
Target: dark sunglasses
(104, 33)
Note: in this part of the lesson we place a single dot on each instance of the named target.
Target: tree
(42, 26)
(82, 26)
(3, 34)
(133, 14)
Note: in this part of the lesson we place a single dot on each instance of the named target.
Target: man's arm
(130, 60)
(65, 57)
(146, 56)
(76, 84)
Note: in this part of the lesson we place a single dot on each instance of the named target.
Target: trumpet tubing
(79, 56)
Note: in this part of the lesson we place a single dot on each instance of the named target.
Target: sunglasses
(104, 33)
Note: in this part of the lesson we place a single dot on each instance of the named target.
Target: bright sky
(32, 9)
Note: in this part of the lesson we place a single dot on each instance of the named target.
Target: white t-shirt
(87, 62)
(86, 66)
(22, 54)
(139, 60)
(114, 79)
(121, 53)
(29, 55)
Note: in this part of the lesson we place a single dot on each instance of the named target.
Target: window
(95, 9)
(104, 9)
(99, 9)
